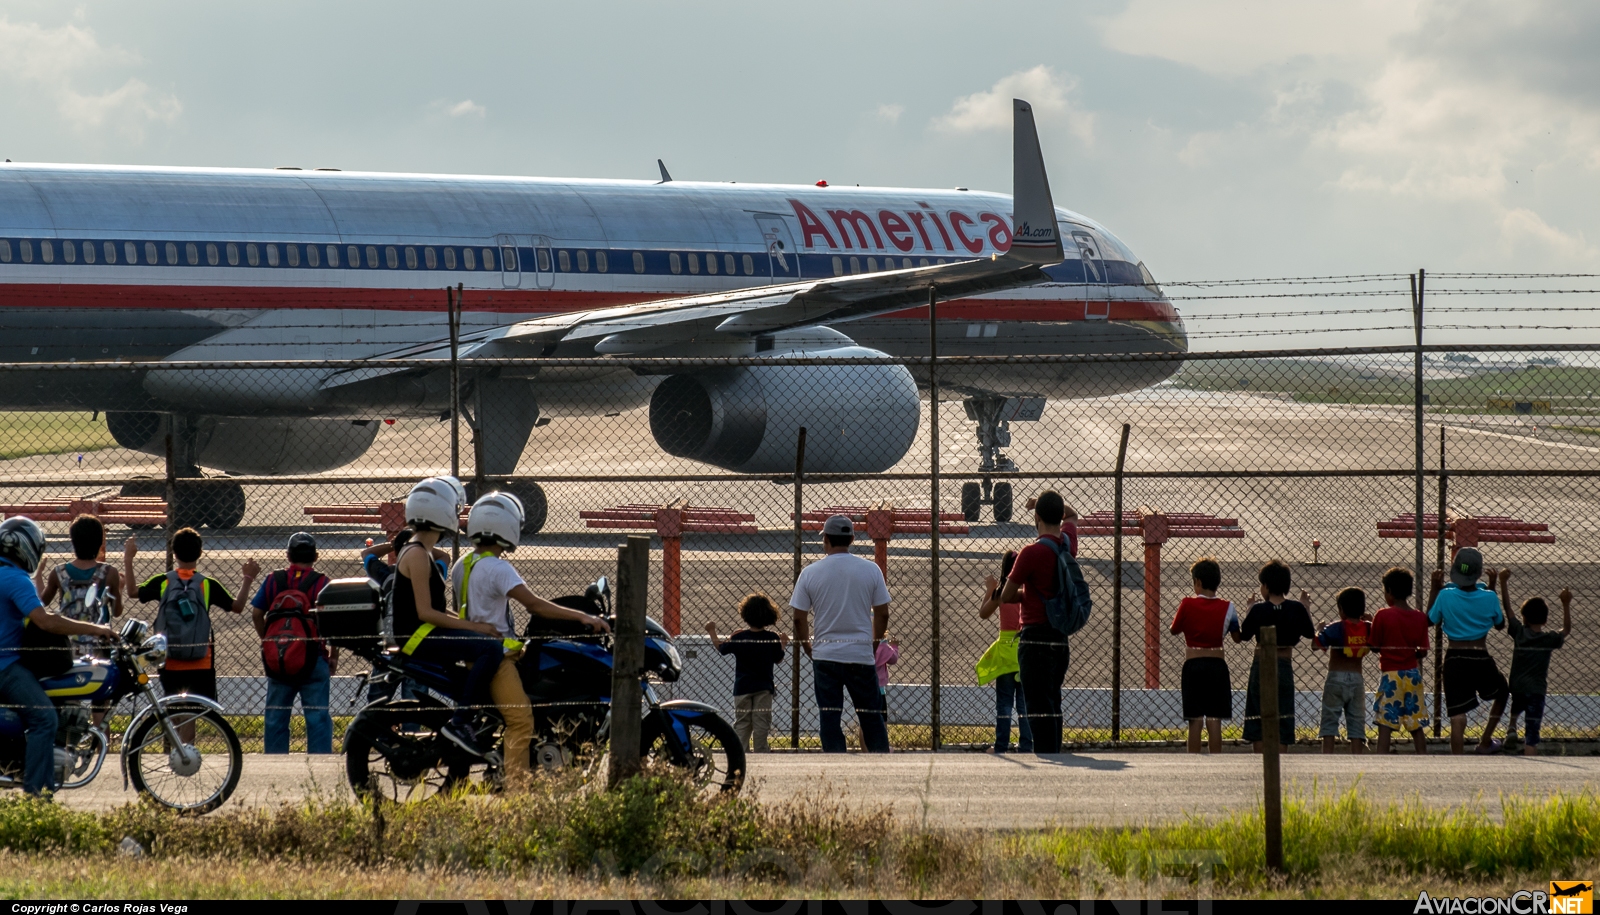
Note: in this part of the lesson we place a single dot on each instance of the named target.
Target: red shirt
(1204, 621)
(1398, 633)
(1035, 574)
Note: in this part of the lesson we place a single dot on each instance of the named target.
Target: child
(1345, 692)
(73, 581)
(1204, 621)
(887, 652)
(1530, 660)
(1400, 634)
(1293, 623)
(755, 652)
(999, 663)
(189, 668)
(1466, 613)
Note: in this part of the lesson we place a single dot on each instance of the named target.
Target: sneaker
(1494, 746)
(461, 735)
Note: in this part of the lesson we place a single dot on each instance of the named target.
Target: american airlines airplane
(160, 265)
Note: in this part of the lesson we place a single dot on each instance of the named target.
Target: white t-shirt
(840, 591)
(488, 601)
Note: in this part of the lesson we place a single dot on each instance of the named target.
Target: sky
(1224, 139)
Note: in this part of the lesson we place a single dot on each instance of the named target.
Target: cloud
(55, 59)
(890, 112)
(1521, 226)
(466, 108)
(1049, 93)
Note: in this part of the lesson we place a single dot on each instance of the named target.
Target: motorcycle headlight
(153, 653)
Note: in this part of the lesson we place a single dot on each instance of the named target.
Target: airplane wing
(647, 326)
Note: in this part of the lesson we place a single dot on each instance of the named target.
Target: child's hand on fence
(990, 583)
(1305, 597)
(1438, 579)
(130, 548)
(1565, 597)
(1505, 576)
(711, 629)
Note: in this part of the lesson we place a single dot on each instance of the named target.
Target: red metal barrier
(106, 504)
(1467, 530)
(670, 523)
(883, 520)
(1156, 528)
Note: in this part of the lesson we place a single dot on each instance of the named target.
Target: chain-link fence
(1311, 456)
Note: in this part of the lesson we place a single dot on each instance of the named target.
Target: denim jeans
(1044, 655)
(831, 679)
(313, 702)
(21, 692)
(1008, 694)
(483, 652)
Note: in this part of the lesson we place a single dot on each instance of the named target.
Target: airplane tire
(146, 488)
(971, 501)
(535, 508)
(1002, 503)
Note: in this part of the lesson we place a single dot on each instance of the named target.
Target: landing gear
(218, 504)
(504, 415)
(535, 508)
(994, 416)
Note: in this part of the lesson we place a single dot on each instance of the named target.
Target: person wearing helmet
(21, 547)
(423, 623)
(484, 585)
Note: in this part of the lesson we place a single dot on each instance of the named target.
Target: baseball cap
(302, 543)
(839, 526)
(1467, 567)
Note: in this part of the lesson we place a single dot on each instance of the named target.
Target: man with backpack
(1055, 603)
(296, 660)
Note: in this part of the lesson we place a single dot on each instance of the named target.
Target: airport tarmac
(1020, 791)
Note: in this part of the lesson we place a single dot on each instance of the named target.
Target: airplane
(150, 267)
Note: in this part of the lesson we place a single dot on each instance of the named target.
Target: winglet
(664, 176)
(1036, 238)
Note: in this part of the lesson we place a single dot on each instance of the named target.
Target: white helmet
(435, 504)
(496, 518)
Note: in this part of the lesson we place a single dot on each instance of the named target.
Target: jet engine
(259, 446)
(858, 418)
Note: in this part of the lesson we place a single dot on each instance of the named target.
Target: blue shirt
(1466, 615)
(18, 598)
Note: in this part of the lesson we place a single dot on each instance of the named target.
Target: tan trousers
(752, 720)
(506, 689)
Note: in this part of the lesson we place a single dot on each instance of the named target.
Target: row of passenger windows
(872, 264)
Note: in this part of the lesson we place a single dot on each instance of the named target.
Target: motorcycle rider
(484, 584)
(21, 547)
(423, 623)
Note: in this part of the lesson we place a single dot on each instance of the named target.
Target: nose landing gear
(994, 416)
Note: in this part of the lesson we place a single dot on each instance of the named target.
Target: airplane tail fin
(1036, 238)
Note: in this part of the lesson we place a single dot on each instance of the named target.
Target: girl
(999, 663)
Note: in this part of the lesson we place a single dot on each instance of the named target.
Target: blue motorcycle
(179, 750)
(393, 748)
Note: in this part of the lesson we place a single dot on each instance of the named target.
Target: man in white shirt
(851, 603)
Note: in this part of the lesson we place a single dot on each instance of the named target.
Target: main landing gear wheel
(1002, 503)
(971, 502)
(535, 508)
(215, 503)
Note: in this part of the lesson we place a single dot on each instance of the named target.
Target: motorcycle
(393, 747)
(179, 750)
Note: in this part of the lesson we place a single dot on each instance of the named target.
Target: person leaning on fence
(305, 669)
(1530, 658)
(756, 651)
(999, 663)
(73, 581)
(1400, 636)
(186, 596)
(1345, 691)
(1466, 611)
(850, 601)
(1204, 621)
(1043, 654)
(378, 560)
(1293, 623)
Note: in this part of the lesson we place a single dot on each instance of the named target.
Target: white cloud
(1521, 227)
(1048, 92)
(890, 112)
(55, 59)
(466, 108)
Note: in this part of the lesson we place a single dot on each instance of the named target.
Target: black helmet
(22, 542)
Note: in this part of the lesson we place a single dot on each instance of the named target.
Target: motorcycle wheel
(415, 769)
(156, 770)
(89, 756)
(715, 755)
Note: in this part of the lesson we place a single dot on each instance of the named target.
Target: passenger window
(333, 255)
(293, 252)
(47, 251)
(694, 262)
(449, 258)
(583, 261)
(838, 265)
(468, 260)
(600, 262)
(727, 263)
(150, 253)
(391, 257)
(272, 255)
(564, 260)
(855, 265)
(677, 262)
(431, 258)
(69, 252)
(372, 257)
(130, 251)
(508, 259)
(88, 252)
(638, 262)
(352, 256)
(411, 258)
(872, 265)
(923, 263)
(313, 256)
(233, 254)
(27, 251)
(488, 258)
(544, 260)
(5, 250)
(711, 264)
(252, 255)
(109, 249)
(191, 253)
(172, 254)
(749, 266)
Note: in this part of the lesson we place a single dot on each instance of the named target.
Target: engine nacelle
(264, 446)
(858, 418)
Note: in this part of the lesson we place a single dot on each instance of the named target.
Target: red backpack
(291, 644)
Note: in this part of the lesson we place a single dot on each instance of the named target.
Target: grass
(658, 837)
(27, 434)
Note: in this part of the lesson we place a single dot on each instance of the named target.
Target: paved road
(968, 789)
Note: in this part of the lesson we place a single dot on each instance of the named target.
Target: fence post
(1438, 631)
(453, 309)
(1116, 594)
(627, 656)
(1417, 283)
(172, 489)
(1272, 818)
(933, 528)
(794, 685)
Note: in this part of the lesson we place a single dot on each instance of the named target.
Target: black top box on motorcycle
(348, 614)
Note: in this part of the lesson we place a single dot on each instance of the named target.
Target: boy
(313, 692)
(1204, 621)
(72, 581)
(1293, 623)
(1467, 612)
(1530, 660)
(1347, 643)
(194, 675)
(1400, 634)
(755, 652)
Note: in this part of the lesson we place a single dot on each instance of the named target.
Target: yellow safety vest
(461, 608)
